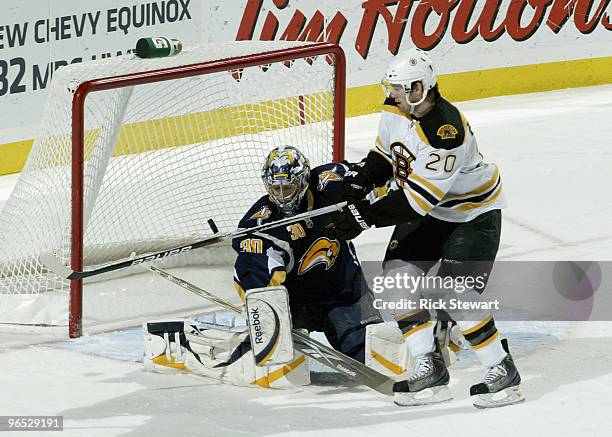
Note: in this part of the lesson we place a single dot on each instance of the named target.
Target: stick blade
(54, 264)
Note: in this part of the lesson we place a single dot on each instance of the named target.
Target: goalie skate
(500, 386)
(427, 384)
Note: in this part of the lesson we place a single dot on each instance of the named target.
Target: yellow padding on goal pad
(163, 361)
(398, 370)
(417, 328)
(265, 381)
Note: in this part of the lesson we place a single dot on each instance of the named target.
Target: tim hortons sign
(429, 21)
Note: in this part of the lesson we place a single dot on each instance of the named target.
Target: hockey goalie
(288, 277)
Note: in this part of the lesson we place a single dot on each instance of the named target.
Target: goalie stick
(54, 264)
(325, 355)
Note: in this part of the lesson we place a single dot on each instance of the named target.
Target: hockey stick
(56, 265)
(323, 354)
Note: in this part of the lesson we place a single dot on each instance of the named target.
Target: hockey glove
(356, 183)
(374, 171)
(350, 222)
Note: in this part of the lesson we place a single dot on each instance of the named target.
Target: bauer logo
(358, 217)
(162, 255)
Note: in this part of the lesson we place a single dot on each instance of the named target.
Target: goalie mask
(408, 67)
(286, 174)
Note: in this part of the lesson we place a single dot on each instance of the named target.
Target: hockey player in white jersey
(445, 202)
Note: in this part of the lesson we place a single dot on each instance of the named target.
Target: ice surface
(554, 152)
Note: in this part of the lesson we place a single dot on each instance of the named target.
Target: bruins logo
(402, 163)
(447, 132)
(322, 251)
(263, 213)
(328, 176)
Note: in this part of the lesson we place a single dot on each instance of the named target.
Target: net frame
(75, 317)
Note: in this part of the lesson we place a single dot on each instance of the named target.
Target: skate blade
(433, 395)
(508, 396)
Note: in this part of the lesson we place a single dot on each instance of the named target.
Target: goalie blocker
(269, 320)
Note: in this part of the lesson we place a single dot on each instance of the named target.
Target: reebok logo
(345, 370)
(256, 325)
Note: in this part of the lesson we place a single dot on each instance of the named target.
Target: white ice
(554, 151)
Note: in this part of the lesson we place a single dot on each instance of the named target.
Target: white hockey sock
(492, 353)
(420, 340)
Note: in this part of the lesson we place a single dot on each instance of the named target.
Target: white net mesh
(160, 159)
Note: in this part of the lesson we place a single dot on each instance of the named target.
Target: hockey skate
(500, 385)
(427, 384)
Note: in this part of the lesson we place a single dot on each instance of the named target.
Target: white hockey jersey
(437, 163)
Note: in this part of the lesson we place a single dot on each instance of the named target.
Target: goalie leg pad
(216, 351)
(224, 354)
(164, 346)
(387, 352)
(269, 320)
(295, 373)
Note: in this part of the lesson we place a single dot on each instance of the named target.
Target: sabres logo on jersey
(447, 132)
(328, 176)
(263, 213)
(322, 251)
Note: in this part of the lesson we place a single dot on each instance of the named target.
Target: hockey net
(135, 155)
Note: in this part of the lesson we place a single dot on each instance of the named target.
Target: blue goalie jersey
(314, 268)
